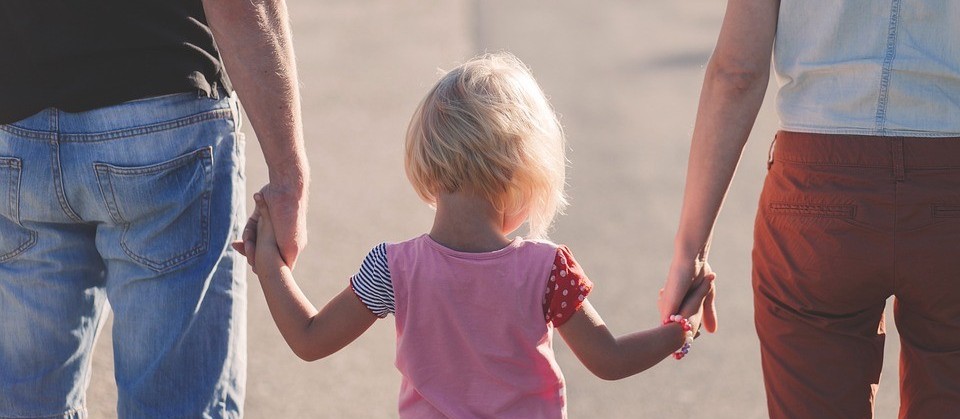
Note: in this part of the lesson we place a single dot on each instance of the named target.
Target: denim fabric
(869, 67)
(130, 206)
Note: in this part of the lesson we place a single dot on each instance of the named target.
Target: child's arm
(613, 358)
(310, 334)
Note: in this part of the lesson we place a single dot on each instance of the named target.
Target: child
(475, 310)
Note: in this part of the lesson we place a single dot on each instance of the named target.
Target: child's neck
(468, 223)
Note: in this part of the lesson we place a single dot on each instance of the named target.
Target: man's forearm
(255, 42)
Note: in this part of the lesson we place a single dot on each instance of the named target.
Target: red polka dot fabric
(566, 289)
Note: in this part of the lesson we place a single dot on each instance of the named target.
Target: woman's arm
(733, 88)
(613, 358)
(310, 334)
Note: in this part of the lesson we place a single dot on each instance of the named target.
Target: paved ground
(625, 78)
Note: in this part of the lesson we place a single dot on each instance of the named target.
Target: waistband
(866, 151)
(125, 119)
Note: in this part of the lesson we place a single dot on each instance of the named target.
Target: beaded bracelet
(687, 334)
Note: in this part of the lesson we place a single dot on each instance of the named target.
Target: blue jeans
(131, 206)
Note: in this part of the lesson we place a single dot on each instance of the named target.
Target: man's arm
(255, 42)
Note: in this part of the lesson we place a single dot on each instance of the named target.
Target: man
(121, 183)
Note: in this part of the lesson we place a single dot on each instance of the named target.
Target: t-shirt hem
(868, 132)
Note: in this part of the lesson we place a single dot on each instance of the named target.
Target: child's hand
(267, 251)
(701, 294)
(247, 245)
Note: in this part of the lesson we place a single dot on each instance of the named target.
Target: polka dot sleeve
(566, 289)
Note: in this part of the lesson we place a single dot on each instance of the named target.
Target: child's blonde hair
(487, 128)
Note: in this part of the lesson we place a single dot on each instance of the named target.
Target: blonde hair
(487, 128)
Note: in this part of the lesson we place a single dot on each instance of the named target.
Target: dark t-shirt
(78, 55)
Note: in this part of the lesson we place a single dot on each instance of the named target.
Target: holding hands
(260, 244)
(697, 302)
(291, 235)
(690, 291)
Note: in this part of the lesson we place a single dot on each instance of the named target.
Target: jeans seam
(57, 173)
(82, 410)
(109, 202)
(147, 129)
(162, 267)
(199, 154)
(20, 249)
(13, 187)
(886, 68)
(28, 133)
(13, 200)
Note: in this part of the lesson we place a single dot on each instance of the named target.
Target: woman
(862, 200)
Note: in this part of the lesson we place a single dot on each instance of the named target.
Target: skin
(255, 41)
(733, 88)
(466, 223)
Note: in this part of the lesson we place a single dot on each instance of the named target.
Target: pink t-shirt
(472, 336)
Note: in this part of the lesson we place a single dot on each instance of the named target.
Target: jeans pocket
(14, 238)
(163, 209)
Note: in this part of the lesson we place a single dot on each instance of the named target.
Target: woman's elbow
(736, 76)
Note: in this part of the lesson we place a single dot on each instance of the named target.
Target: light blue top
(869, 67)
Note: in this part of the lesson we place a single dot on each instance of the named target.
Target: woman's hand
(699, 301)
(674, 295)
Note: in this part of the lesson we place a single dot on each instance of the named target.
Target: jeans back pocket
(14, 238)
(163, 209)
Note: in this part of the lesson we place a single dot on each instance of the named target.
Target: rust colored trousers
(844, 223)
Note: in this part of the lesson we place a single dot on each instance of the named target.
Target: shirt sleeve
(372, 283)
(566, 290)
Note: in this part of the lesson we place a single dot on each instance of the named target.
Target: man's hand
(288, 216)
(288, 213)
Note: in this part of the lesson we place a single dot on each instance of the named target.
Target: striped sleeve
(372, 283)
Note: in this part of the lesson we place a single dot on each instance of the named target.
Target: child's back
(471, 335)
